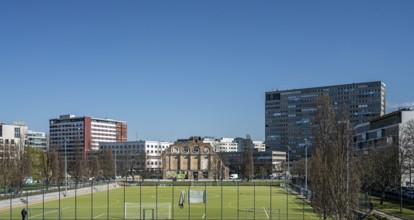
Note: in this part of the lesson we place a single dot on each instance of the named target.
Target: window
(17, 132)
(1, 130)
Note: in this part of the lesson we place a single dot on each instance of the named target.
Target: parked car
(409, 194)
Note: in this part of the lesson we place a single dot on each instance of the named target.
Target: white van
(234, 176)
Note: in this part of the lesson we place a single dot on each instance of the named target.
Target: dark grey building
(289, 113)
(383, 131)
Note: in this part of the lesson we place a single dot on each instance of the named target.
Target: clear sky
(173, 69)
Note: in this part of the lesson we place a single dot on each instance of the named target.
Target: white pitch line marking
(266, 212)
(99, 215)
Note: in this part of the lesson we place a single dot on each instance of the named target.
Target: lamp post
(66, 172)
(306, 168)
(115, 164)
(287, 185)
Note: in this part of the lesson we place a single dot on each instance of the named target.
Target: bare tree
(108, 167)
(142, 161)
(36, 162)
(25, 167)
(248, 165)
(7, 163)
(380, 169)
(334, 174)
(298, 168)
(94, 166)
(50, 166)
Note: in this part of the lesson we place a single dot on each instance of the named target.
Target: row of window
(7, 141)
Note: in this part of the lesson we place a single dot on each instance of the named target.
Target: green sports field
(161, 202)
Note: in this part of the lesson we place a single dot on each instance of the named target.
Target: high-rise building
(80, 135)
(289, 113)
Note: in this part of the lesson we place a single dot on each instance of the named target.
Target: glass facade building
(289, 113)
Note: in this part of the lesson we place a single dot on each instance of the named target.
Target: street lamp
(287, 185)
(306, 168)
(66, 172)
(115, 164)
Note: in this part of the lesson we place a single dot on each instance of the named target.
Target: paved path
(383, 214)
(23, 199)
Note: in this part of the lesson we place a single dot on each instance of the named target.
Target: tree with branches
(248, 165)
(334, 173)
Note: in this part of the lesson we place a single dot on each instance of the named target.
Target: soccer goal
(136, 210)
(262, 213)
(44, 213)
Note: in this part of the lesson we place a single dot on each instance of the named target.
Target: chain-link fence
(156, 199)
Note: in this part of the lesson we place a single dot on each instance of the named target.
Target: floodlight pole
(115, 164)
(66, 172)
(306, 168)
(287, 185)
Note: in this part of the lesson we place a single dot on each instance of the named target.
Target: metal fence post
(27, 199)
(126, 179)
(140, 199)
(11, 204)
(172, 196)
(254, 200)
(221, 198)
(59, 194)
(107, 201)
(76, 200)
(91, 199)
(188, 199)
(43, 202)
(238, 200)
(271, 196)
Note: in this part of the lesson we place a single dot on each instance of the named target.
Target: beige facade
(194, 160)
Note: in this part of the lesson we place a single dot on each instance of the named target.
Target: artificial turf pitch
(223, 202)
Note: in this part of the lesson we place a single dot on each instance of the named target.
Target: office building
(140, 155)
(289, 113)
(12, 139)
(80, 135)
(36, 139)
(232, 144)
(383, 131)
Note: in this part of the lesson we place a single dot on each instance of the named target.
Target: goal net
(136, 210)
(44, 213)
(262, 213)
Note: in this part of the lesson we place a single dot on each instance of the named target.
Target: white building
(36, 139)
(152, 149)
(259, 145)
(232, 144)
(83, 134)
(12, 137)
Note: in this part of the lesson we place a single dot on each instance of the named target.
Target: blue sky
(173, 69)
